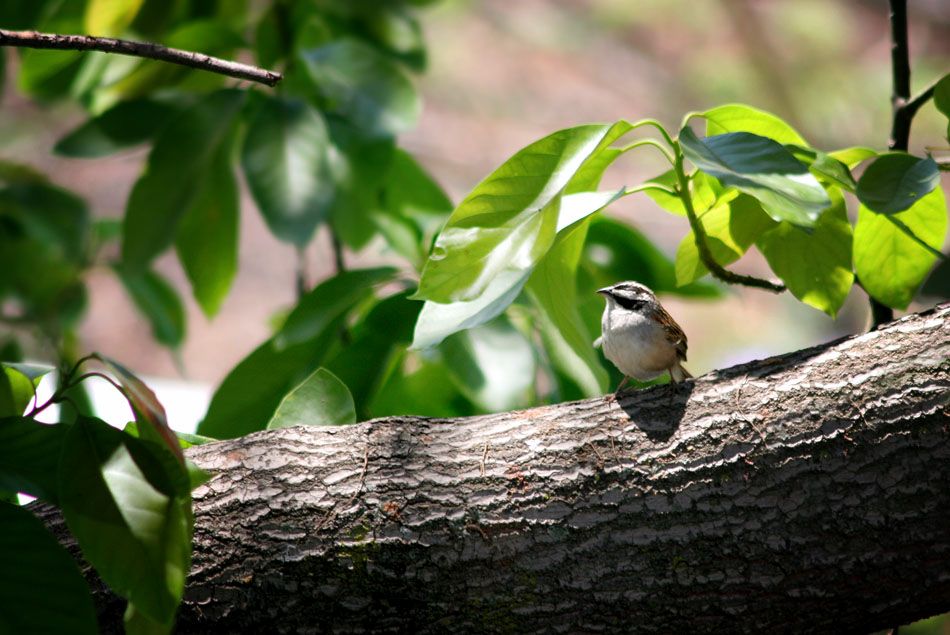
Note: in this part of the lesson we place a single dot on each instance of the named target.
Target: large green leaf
(320, 400)
(742, 118)
(894, 182)
(730, 231)
(158, 301)
(42, 589)
(762, 168)
(137, 538)
(816, 267)
(326, 302)
(420, 384)
(207, 236)
(29, 455)
(824, 166)
(891, 264)
(360, 84)
(177, 167)
(16, 391)
(493, 365)
(122, 126)
(508, 222)
(439, 320)
(286, 164)
(552, 290)
(942, 98)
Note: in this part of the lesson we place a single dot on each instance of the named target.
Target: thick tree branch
(802, 493)
(33, 39)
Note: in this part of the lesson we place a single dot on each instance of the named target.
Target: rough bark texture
(803, 493)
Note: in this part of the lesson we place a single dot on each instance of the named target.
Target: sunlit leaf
(816, 267)
(498, 233)
(851, 157)
(894, 182)
(890, 264)
(42, 589)
(742, 118)
(109, 18)
(285, 161)
(730, 231)
(824, 166)
(761, 168)
(320, 400)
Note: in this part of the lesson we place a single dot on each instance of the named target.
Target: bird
(638, 335)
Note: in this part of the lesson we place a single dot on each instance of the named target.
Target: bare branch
(200, 61)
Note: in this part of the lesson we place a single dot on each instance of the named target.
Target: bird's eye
(632, 304)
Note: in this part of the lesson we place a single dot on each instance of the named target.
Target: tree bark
(802, 493)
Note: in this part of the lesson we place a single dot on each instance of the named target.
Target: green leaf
(493, 365)
(360, 84)
(894, 182)
(42, 589)
(14, 172)
(552, 290)
(327, 302)
(891, 264)
(730, 231)
(320, 400)
(136, 537)
(108, 18)
(29, 456)
(362, 362)
(420, 385)
(147, 408)
(177, 167)
(942, 95)
(761, 168)
(853, 156)
(285, 161)
(816, 267)
(207, 236)
(16, 391)
(742, 118)
(127, 124)
(158, 301)
(508, 222)
(824, 167)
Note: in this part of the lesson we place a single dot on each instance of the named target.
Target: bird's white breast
(635, 343)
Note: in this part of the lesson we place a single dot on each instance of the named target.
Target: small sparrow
(639, 336)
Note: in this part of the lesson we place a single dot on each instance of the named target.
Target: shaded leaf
(761, 168)
(320, 400)
(285, 161)
(894, 182)
(158, 301)
(177, 166)
(127, 124)
(137, 538)
(890, 264)
(42, 589)
(29, 456)
(360, 84)
(207, 236)
(824, 166)
(327, 302)
(815, 267)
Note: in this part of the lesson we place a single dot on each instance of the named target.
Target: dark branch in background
(200, 61)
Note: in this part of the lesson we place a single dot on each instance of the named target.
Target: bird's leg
(613, 397)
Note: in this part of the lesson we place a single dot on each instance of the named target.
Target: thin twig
(35, 40)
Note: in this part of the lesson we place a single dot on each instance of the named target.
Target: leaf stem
(652, 143)
(699, 235)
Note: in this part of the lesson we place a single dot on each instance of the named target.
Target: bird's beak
(604, 292)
